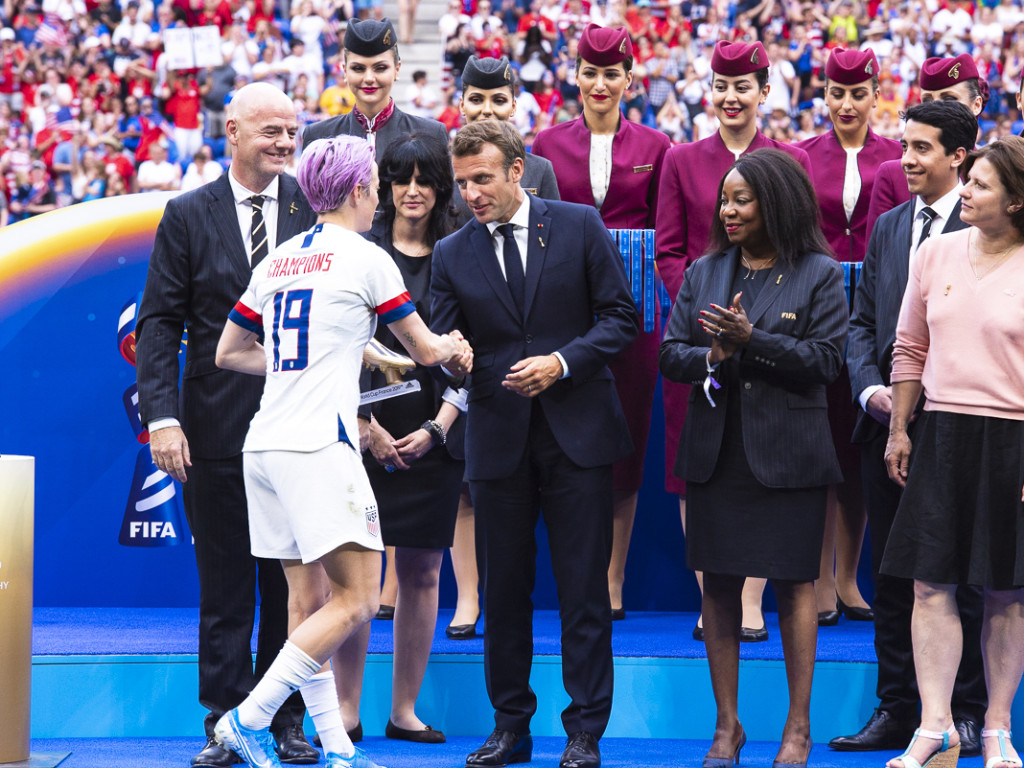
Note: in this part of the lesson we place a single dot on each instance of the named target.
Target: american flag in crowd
(52, 31)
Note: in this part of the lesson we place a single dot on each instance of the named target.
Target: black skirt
(739, 527)
(961, 519)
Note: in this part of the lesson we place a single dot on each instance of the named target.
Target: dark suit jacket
(800, 323)
(198, 270)
(876, 306)
(578, 303)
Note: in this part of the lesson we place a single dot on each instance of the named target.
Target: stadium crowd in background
(88, 87)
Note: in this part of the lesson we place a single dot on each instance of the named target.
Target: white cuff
(864, 396)
(156, 424)
(565, 365)
(457, 397)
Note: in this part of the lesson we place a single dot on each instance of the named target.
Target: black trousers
(228, 577)
(894, 604)
(576, 504)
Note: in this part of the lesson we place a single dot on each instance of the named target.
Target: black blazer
(578, 303)
(876, 306)
(800, 323)
(197, 271)
(455, 440)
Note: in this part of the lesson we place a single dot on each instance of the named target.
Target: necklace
(750, 267)
(997, 261)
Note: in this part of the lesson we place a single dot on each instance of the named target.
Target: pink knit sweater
(961, 337)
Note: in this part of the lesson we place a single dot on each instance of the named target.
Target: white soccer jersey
(316, 300)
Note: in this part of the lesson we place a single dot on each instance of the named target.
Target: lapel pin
(779, 281)
(541, 241)
(292, 208)
(948, 286)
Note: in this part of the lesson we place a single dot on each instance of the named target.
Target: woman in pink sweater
(960, 339)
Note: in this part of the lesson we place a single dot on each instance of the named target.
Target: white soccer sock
(321, 699)
(290, 670)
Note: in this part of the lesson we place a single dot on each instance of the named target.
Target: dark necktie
(513, 266)
(260, 245)
(929, 217)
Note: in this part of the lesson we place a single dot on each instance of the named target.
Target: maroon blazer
(848, 238)
(637, 154)
(889, 191)
(688, 196)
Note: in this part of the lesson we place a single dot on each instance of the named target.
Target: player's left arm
(239, 350)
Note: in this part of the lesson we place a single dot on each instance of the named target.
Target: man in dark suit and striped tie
(206, 244)
(938, 136)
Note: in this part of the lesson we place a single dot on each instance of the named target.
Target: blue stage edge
(131, 673)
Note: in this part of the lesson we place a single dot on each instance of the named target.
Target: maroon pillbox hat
(937, 74)
(851, 67)
(604, 46)
(734, 59)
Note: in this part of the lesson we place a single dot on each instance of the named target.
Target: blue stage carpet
(131, 631)
(615, 753)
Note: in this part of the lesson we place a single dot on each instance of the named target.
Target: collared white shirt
(243, 207)
(600, 166)
(943, 208)
(521, 221)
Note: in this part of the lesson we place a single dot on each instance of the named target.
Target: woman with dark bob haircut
(760, 323)
(961, 515)
(414, 457)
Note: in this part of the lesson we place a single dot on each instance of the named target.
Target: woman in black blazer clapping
(759, 328)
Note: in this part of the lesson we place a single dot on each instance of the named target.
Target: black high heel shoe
(462, 631)
(853, 613)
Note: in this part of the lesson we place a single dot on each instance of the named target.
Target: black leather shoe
(828, 618)
(293, 748)
(970, 735)
(581, 751)
(881, 732)
(461, 631)
(213, 755)
(853, 613)
(386, 613)
(618, 614)
(355, 735)
(748, 635)
(502, 748)
(698, 633)
(428, 736)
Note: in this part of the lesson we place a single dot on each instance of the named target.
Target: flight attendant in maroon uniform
(956, 79)
(602, 159)
(844, 163)
(688, 200)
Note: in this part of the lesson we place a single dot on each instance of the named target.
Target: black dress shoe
(618, 614)
(828, 618)
(428, 736)
(853, 613)
(461, 631)
(581, 751)
(881, 732)
(748, 635)
(698, 633)
(293, 748)
(355, 735)
(970, 735)
(502, 748)
(385, 613)
(213, 755)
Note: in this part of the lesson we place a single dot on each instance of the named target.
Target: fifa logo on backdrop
(152, 515)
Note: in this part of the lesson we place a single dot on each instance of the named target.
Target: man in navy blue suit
(938, 136)
(539, 289)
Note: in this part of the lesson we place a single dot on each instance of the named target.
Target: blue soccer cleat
(358, 760)
(256, 747)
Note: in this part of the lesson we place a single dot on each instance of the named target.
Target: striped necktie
(260, 245)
